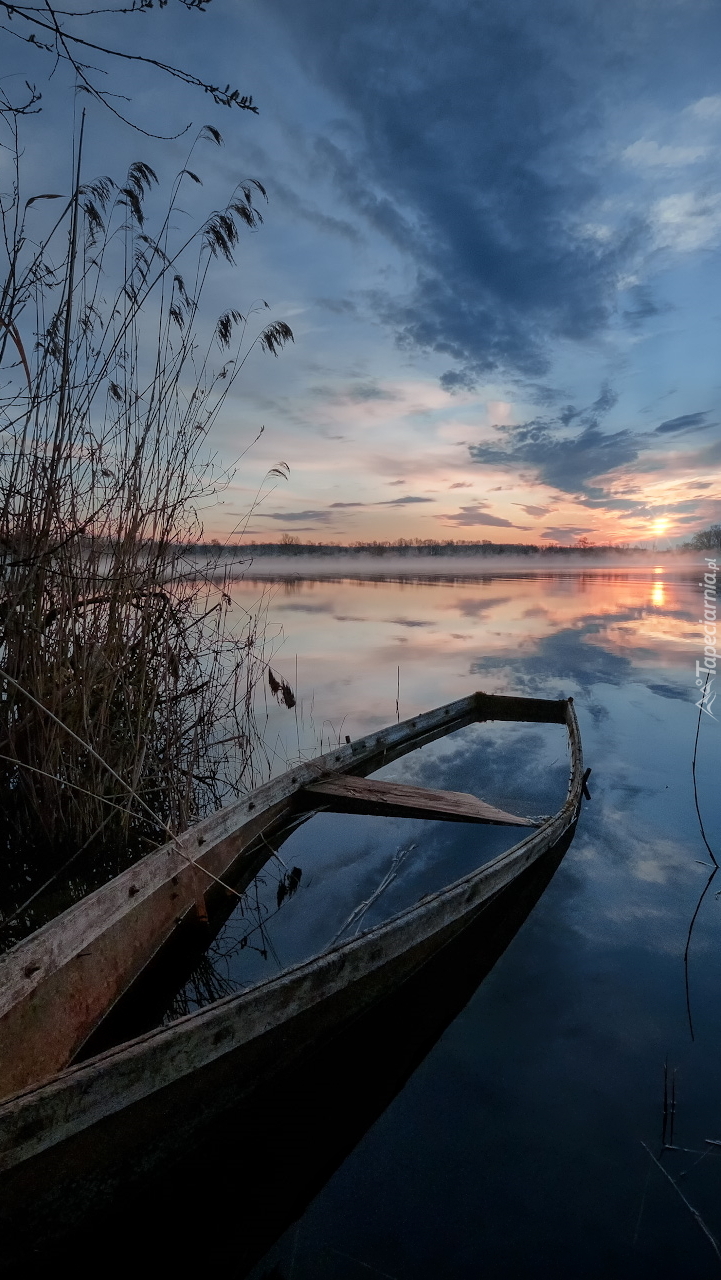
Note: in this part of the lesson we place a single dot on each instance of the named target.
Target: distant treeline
(707, 539)
(410, 549)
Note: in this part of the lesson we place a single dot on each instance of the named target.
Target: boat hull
(71, 1143)
(277, 1097)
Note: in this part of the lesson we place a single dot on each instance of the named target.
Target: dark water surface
(503, 1114)
(516, 1147)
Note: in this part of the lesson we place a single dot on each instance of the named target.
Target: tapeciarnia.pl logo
(706, 670)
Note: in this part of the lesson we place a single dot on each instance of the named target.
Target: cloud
(707, 108)
(310, 213)
(571, 462)
(687, 221)
(685, 422)
(338, 306)
(532, 511)
(562, 462)
(564, 532)
(646, 153)
(502, 260)
(453, 380)
(470, 608)
(317, 517)
(322, 516)
(370, 391)
(473, 515)
(406, 501)
(409, 622)
(356, 393)
(401, 502)
(461, 484)
(642, 306)
(705, 459)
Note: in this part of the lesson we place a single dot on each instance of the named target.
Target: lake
(544, 1099)
(524, 1142)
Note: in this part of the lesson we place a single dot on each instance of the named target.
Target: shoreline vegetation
(127, 677)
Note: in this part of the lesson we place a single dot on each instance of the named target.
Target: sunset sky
(495, 232)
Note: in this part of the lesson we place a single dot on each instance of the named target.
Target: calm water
(516, 1147)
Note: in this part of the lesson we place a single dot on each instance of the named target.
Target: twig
(694, 1212)
(358, 912)
(642, 1206)
(664, 1126)
(707, 886)
(359, 1262)
(711, 853)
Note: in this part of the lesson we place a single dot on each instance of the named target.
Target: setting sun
(661, 525)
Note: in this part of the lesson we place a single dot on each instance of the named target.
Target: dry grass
(109, 633)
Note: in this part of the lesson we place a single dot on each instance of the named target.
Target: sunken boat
(74, 1128)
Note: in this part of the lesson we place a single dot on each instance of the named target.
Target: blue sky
(495, 232)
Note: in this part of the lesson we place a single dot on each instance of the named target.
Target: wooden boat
(260, 1160)
(85, 1124)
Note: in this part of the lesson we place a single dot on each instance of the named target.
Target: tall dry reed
(114, 645)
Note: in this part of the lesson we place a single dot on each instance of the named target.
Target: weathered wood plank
(393, 799)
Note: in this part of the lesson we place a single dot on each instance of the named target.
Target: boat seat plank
(394, 799)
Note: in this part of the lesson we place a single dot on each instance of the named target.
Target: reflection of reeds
(694, 1212)
(110, 634)
(204, 986)
(212, 976)
(668, 1145)
(714, 869)
(669, 1083)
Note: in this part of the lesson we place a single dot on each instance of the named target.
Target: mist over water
(419, 565)
(516, 1148)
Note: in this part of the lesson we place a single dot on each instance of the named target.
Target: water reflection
(349, 638)
(515, 1146)
(519, 1139)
